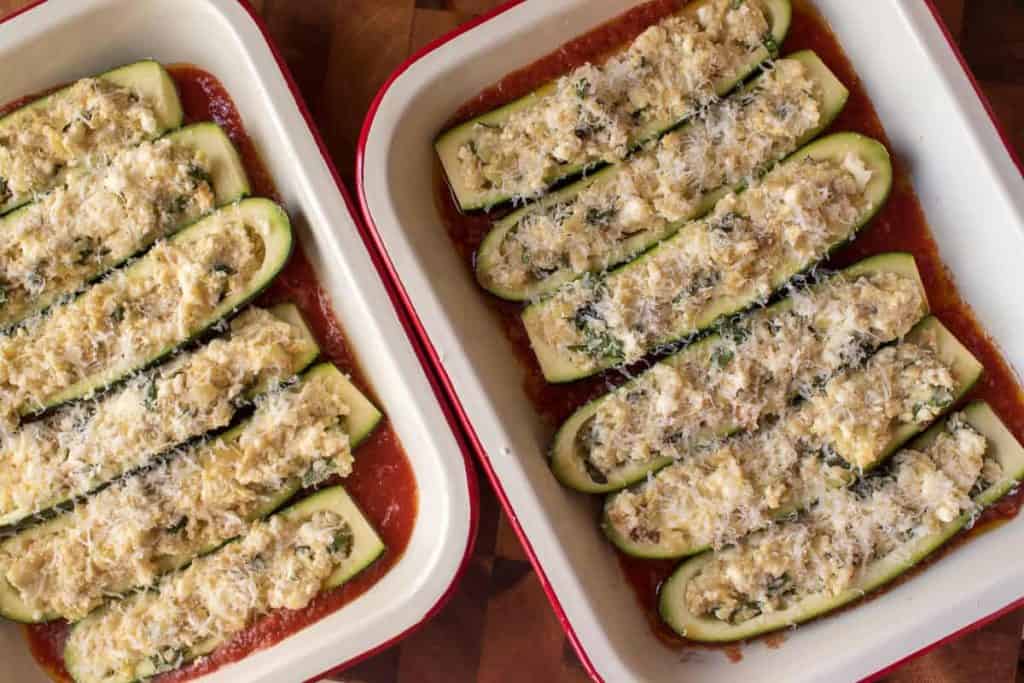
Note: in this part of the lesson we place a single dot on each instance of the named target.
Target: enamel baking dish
(974, 198)
(222, 37)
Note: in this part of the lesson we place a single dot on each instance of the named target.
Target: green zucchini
(1003, 446)
(568, 458)
(366, 548)
(148, 78)
(227, 180)
(562, 365)
(304, 357)
(833, 97)
(966, 371)
(363, 418)
(450, 141)
(274, 227)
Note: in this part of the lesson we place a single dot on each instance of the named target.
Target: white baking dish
(222, 37)
(974, 198)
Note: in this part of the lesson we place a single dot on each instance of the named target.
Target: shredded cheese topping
(96, 221)
(730, 144)
(744, 484)
(78, 128)
(750, 372)
(792, 217)
(128, 534)
(599, 112)
(280, 563)
(828, 549)
(129, 316)
(73, 451)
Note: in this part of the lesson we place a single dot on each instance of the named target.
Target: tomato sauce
(901, 226)
(382, 480)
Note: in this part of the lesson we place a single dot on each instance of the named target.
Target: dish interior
(222, 38)
(974, 221)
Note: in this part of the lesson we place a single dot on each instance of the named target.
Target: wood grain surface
(498, 626)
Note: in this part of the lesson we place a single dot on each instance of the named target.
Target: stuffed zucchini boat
(751, 245)
(731, 381)
(142, 313)
(747, 483)
(856, 540)
(128, 534)
(97, 221)
(613, 215)
(599, 113)
(74, 451)
(79, 126)
(313, 546)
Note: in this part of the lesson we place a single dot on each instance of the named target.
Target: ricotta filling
(828, 549)
(279, 563)
(129, 316)
(599, 112)
(751, 372)
(128, 534)
(746, 483)
(792, 217)
(728, 145)
(73, 451)
(53, 247)
(78, 128)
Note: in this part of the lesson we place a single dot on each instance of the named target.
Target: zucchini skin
(368, 548)
(364, 419)
(560, 367)
(169, 110)
(966, 371)
(671, 604)
(279, 242)
(835, 97)
(448, 141)
(566, 463)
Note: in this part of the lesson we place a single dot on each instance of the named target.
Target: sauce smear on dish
(901, 226)
(382, 480)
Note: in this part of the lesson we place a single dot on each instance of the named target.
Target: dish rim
(452, 418)
(394, 282)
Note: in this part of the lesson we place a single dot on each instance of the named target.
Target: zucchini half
(568, 460)
(672, 603)
(367, 547)
(302, 360)
(227, 180)
(966, 371)
(148, 78)
(833, 99)
(560, 365)
(275, 229)
(363, 418)
(450, 141)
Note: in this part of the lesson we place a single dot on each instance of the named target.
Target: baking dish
(223, 37)
(973, 194)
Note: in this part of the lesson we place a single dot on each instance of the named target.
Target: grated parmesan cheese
(745, 483)
(752, 371)
(71, 452)
(53, 247)
(598, 112)
(78, 128)
(128, 316)
(827, 550)
(128, 534)
(728, 145)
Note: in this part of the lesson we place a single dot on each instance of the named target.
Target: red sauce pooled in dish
(901, 226)
(381, 482)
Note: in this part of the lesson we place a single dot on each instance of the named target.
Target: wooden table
(498, 625)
